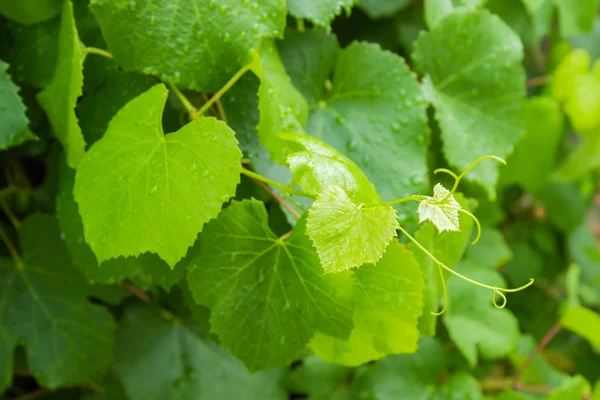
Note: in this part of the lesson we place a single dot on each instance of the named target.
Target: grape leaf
(535, 154)
(320, 165)
(267, 296)
(319, 12)
(32, 57)
(576, 387)
(171, 40)
(347, 235)
(373, 113)
(140, 191)
(582, 159)
(43, 305)
(460, 386)
(441, 210)
(472, 321)
(491, 250)
(59, 98)
(447, 247)
(282, 108)
(575, 17)
(14, 130)
(388, 302)
(318, 380)
(30, 11)
(436, 10)
(474, 79)
(113, 270)
(382, 8)
(584, 322)
(197, 369)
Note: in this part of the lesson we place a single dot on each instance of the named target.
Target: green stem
(189, 107)
(100, 52)
(471, 166)
(9, 214)
(474, 218)
(10, 246)
(271, 182)
(222, 91)
(495, 290)
(415, 197)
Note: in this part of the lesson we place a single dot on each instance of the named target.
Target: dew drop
(261, 276)
(351, 145)
(205, 173)
(153, 189)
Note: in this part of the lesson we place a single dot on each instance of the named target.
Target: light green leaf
(30, 11)
(441, 210)
(437, 10)
(282, 108)
(583, 158)
(472, 321)
(160, 359)
(576, 17)
(43, 306)
(382, 8)
(572, 389)
(447, 247)
(140, 191)
(388, 302)
(320, 165)
(319, 12)
(347, 235)
(60, 97)
(574, 64)
(173, 40)
(491, 250)
(532, 161)
(267, 296)
(474, 79)
(584, 322)
(372, 111)
(13, 130)
(319, 380)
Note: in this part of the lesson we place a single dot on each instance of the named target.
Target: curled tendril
(443, 280)
(474, 218)
(495, 293)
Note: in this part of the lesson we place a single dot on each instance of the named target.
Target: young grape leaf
(14, 130)
(267, 295)
(347, 235)
(382, 8)
(44, 307)
(441, 210)
(59, 98)
(472, 321)
(197, 368)
(282, 108)
(447, 247)
(30, 11)
(575, 17)
(113, 270)
(139, 190)
(584, 322)
(32, 57)
(320, 165)
(474, 79)
(171, 40)
(373, 111)
(532, 161)
(436, 10)
(388, 301)
(319, 12)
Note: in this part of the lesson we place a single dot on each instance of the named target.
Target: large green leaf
(474, 79)
(282, 108)
(348, 235)
(382, 8)
(532, 161)
(472, 321)
(388, 301)
(319, 12)
(160, 359)
(584, 322)
(30, 11)
(140, 191)
(320, 165)
(372, 111)
(13, 129)
(267, 296)
(195, 44)
(60, 96)
(43, 306)
(437, 10)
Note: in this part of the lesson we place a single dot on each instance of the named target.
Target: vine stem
(537, 81)
(286, 189)
(9, 214)
(100, 52)
(34, 395)
(496, 384)
(415, 197)
(10, 246)
(496, 291)
(278, 198)
(221, 91)
(137, 292)
(540, 346)
(189, 107)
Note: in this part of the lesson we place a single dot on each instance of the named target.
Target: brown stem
(279, 199)
(498, 384)
(34, 395)
(537, 81)
(540, 346)
(137, 292)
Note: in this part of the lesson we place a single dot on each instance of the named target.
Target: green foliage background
(209, 199)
